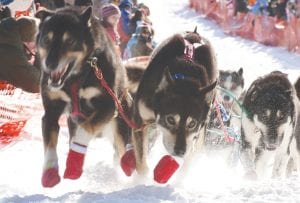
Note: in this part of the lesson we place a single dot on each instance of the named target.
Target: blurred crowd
(271, 22)
(127, 23)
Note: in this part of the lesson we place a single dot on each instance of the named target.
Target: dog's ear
(240, 71)
(86, 15)
(195, 30)
(43, 14)
(209, 92)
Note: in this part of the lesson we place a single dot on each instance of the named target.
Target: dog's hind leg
(50, 129)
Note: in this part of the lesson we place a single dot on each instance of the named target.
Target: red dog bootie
(50, 177)
(128, 161)
(165, 168)
(75, 161)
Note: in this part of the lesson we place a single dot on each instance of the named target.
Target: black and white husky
(70, 44)
(226, 111)
(175, 93)
(268, 126)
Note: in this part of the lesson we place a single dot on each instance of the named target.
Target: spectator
(123, 27)
(141, 43)
(136, 19)
(110, 15)
(97, 5)
(146, 11)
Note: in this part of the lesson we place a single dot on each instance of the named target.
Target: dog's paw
(128, 162)
(165, 168)
(74, 165)
(50, 177)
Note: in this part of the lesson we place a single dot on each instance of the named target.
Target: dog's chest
(76, 95)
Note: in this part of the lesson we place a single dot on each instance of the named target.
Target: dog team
(179, 94)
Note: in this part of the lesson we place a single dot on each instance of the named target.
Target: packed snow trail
(208, 179)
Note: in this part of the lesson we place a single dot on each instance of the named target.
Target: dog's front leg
(78, 146)
(50, 130)
(140, 143)
(247, 157)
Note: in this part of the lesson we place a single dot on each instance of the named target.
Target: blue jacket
(125, 15)
(5, 2)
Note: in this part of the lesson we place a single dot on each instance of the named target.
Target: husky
(233, 82)
(73, 48)
(225, 116)
(268, 125)
(175, 94)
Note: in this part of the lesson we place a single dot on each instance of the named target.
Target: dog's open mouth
(57, 77)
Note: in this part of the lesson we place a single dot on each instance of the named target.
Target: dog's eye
(280, 116)
(70, 42)
(192, 124)
(46, 40)
(170, 120)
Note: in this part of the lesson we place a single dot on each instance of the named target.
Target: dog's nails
(128, 162)
(74, 165)
(50, 177)
(165, 168)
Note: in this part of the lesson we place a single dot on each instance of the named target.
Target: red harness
(76, 114)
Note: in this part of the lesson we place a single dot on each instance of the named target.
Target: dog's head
(270, 101)
(233, 81)
(183, 101)
(63, 42)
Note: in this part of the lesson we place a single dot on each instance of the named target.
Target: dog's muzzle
(57, 77)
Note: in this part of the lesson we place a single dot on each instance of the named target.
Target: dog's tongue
(55, 78)
(165, 168)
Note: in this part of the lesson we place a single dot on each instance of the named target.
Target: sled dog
(268, 125)
(70, 44)
(226, 111)
(175, 94)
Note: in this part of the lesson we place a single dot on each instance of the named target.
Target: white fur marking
(162, 85)
(268, 112)
(145, 112)
(59, 94)
(262, 127)
(66, 36)
(51, 160)
(250, 133)
(89, 93)
(82, 137)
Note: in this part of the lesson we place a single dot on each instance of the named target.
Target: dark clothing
(14, 66)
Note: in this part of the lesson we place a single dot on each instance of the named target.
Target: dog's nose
(179, 152)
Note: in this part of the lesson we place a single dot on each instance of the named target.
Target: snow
(208, 180)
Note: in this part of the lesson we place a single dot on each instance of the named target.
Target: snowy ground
(208, 179)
